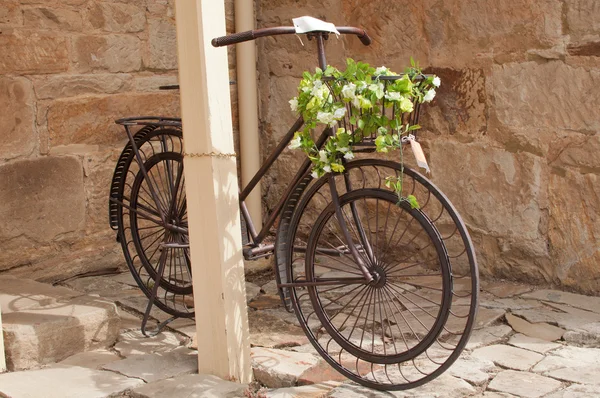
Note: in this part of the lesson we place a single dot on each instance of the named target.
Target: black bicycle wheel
(165, 178)
(421, 363)
(140, 229)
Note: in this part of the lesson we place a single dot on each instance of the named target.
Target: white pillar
(2, 355)
(212, 193)
(248, 107)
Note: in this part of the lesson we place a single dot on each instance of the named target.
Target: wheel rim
(379, 303)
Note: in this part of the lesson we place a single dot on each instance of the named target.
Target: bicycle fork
(346, 233)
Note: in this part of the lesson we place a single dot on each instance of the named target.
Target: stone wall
(513, 136)
(68, 69)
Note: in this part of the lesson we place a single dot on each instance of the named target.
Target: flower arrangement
(357, 103)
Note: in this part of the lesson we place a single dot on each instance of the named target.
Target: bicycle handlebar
(282, 30)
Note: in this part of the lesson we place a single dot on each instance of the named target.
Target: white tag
(417, 151)
(310, 24)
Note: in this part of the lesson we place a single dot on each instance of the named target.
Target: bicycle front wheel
(393, 353)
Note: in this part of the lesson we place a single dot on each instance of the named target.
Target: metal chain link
(209, 155)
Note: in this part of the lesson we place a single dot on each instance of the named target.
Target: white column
(248, 107)
(212, 193)
(2, 355)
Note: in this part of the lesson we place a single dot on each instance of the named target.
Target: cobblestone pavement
(544, 343)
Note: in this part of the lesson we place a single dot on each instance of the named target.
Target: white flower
(343, 149)
(406, 105)
(382, 70)
(323, 156)
(305, 89)
(294, 104)
(327, 168)
(393, 96)
(361, 86)
(339, 113)
(314, 174)
(295, 143)
(349, 156)
(356, 101)
(436, 81)
(429, 95)
(325, 117)
(349, 91)
(377, 88)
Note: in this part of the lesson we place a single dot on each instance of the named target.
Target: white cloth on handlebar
(309, 24)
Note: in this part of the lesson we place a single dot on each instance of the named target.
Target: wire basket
(382, 108)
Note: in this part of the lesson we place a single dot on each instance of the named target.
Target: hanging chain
(209, 155)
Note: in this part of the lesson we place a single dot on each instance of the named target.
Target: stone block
(112, 53)
(191, 386)
(573, 231)
(156, 367)
(161, 52)
(58, 86)
(41, 198)
(583, 17)
(10, 13)
(50, 18)
(587, 303)
(62, 381)
(17, 119)
(503, 194)
(523, 384)
(27, 52)
(153, 82)
(22, 294)
(577, 391)
(461, 30)
(525, 96)
(311, 391)
(489, 335)
(279, 368)
(460, 107)
(2, 353)
(90, 120)
(115, 17)
(52, 333)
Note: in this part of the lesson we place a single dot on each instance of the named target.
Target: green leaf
(412, 200)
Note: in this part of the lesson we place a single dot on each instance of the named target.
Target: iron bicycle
(385, 292)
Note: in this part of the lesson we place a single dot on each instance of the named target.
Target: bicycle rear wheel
(417, 362)
(141, 232)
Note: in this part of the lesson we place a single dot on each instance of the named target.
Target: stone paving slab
(577, 391)
(269, 331)
(523, 384)
(445, 386)
(473, 370)
(154, 367)
(191, 386)
(503, 289)
(311, 391)
(508, 356)
(280, 368)
(588, 303)
(532, 344)
(587, 336)
(91, 359)
(135, 343)
(62, 381)
(487, 336)
(52, 333)
(541, 331)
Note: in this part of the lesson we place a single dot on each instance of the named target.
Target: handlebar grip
(365, 39)
(233, 38)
